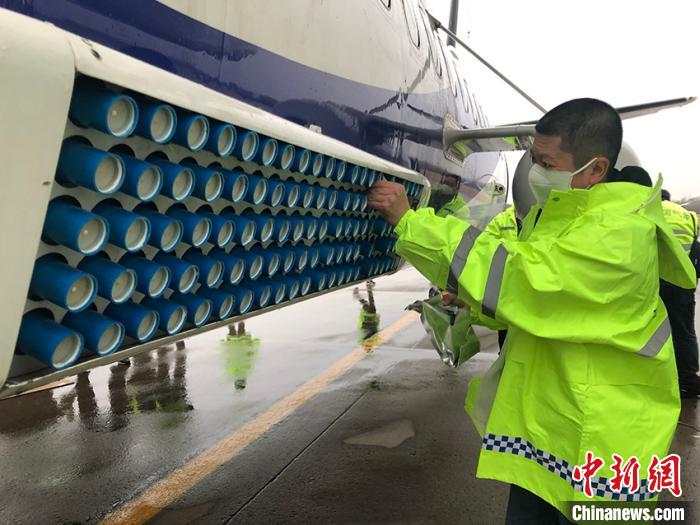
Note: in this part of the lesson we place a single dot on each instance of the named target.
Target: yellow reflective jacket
(588, 362)
(684, 223)
(457, 207)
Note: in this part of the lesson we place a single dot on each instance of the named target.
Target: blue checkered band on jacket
(599, 485)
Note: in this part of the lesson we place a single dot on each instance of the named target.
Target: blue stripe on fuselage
(406, 129)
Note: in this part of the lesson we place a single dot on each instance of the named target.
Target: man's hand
(449, 299)
(389, 199)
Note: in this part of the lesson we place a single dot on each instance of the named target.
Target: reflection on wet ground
(390, 435)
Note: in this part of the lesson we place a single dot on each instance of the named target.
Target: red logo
(586, 471)
(662, 474)
(665, 474)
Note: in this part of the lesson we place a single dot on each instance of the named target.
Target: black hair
(665, 195)
(633, 174)
(587, 128)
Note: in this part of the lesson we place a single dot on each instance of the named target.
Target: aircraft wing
(460, 142)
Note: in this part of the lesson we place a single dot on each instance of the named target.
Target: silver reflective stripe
(494, 281)
(657, 341)
(681, 232)
(459, 259)
(687, 246)
(507, 228)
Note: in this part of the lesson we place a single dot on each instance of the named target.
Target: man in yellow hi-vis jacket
(587, 370)
(680, 302)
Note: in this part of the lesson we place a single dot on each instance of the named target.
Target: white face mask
(542, 181)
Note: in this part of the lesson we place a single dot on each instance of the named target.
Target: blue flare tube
(166, 232)
(292, 285)
(211, 270)
(341, 170)
(51, 343)
(282, 229)
(257, 189)
(332, 277)
(336, 226)
(262, 292)
(267, 152)
(310, 226)
(243, 298)
(55, 281)
(297, 227)
(317, 162)
(178, 181)
(245, 228)
(127, 230)
(278, 291)
(319, 280)
(306, 195)
(328, 168)
(285, 156)
(222, 139)
(373, 176)
(364, 227)
(235, 185)
(352, 228)
(157, 122)
(247, 145)
(355, 172)
(305, 286)
(196, 229)
(292, 193)
(276, 191)
(385, 244)
(93, 106)
(327, 254)
(223, 230)
(264, 225)
(192, 130)
(302, 161)
(66, 224)
(323, 226)
(320, 196)
(101, 335)
(222, 301)
(356, 201)
(314, 257)
(339, 252)
(141, 323)
(332, 199)
(287, 259)
(345, 199)
(90, 168)
(115, 282)
(254, 263)
(271, 260)
(142, 180)
(208, 182)
(152, 278)
(301, 255)
(199, 309)
(234, 266)
(184, 274)
(340, 276)
(172, 316)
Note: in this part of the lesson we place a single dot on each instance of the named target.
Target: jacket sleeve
(596, 284)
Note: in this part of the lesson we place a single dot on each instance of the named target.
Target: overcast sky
(621, 51)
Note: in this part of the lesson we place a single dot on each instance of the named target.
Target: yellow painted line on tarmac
(170, 488)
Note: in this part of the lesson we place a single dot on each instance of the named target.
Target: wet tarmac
(242, 430)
